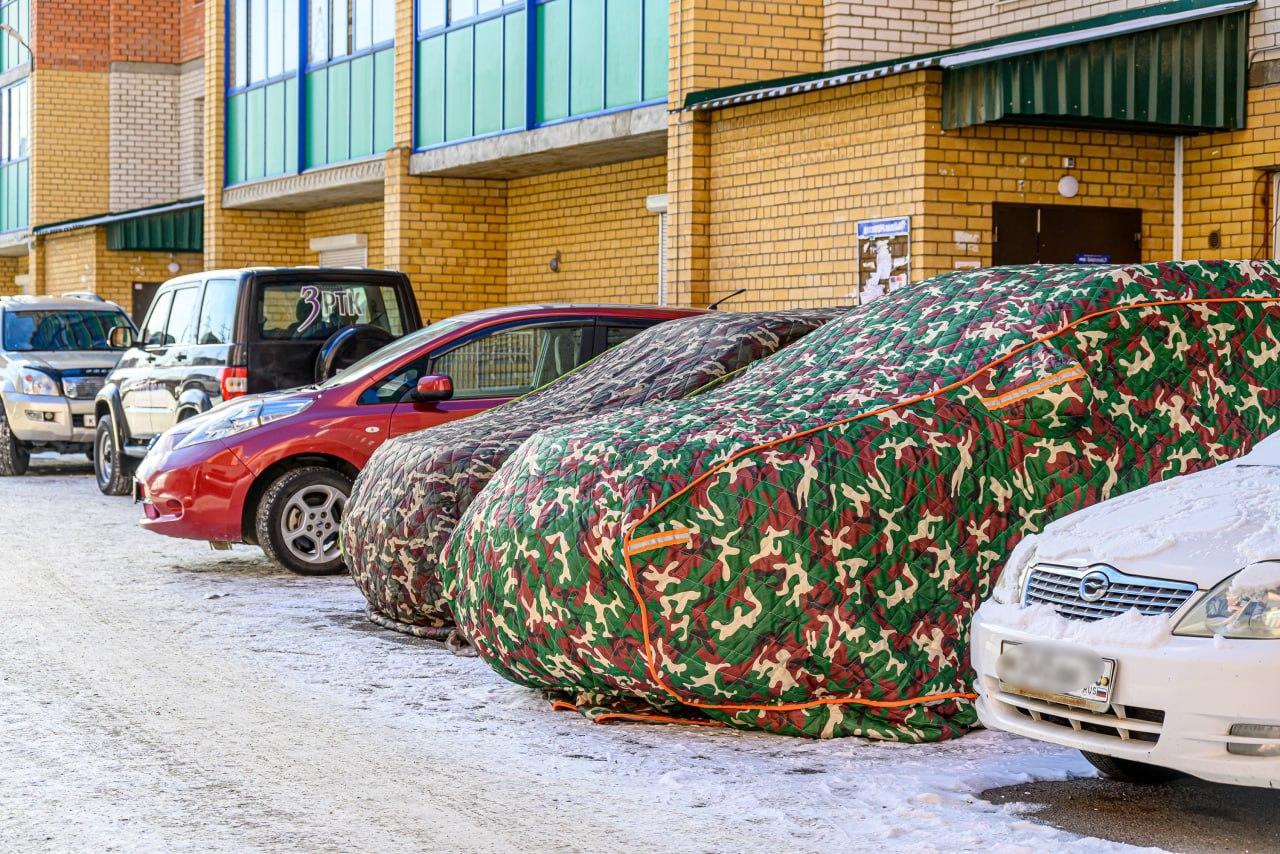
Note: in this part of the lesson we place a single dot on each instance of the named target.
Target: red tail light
(234, 382)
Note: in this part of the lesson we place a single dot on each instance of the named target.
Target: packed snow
(1131, 629)
(157, 695)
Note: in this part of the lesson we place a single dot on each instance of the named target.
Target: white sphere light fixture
(174, 267)
(1068, 186)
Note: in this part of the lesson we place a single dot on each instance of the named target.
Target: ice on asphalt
(156, 694)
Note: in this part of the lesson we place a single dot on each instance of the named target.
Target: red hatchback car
(275, 470)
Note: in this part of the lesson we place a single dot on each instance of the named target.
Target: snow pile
(1258, 579)
(1130, 629)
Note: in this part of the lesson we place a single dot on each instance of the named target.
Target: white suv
(55, 354)
(1145, 631)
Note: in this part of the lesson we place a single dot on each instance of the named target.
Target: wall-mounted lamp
(1068, 186)
(174, 267)
(554, 263)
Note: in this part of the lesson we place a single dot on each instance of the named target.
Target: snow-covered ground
(157, 695)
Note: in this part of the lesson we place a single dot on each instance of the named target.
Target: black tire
(1128, 771)
(15, 458)
(299, 517)
(111, 468)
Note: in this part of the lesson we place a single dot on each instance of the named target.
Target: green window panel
(489, 76)
(255, 134)
(513, 110)
(459, 61)
(586, 57)
(172, 231)
(384, 100)
(291, 125)
(274, 120)
(551, 98)
(656, 14)
(624, 39)
(15, 14)
(235, 153)
(362, 106)
(339, 113)
(430, 107)
(318, 117)
(23, 218)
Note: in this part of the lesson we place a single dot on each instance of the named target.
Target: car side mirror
(433, 388)
(121, 338)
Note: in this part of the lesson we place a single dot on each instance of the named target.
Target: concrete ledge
(1264, 73)
(346, 184)
(14, 244)
(612, 138)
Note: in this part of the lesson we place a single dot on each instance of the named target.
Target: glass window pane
(184, 316)
(363, 24)
(257, 41)
(290, 34)
(218, 314)
(319, 17)
(384, 21)
(275, 37)
(153, 327)
(341, 25)
(431, 14)
(511, 362)
(460, 10)
(239, 44)
(483, 6)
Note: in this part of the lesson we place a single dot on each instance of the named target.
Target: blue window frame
(485, 67)
(15, 154)
(309, 83)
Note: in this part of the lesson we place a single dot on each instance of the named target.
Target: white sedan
(1145, 631)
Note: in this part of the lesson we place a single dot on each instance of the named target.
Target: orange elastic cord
(566, 706)
(1031, 389)
(629, 539)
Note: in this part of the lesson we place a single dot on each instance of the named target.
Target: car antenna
(739, 292)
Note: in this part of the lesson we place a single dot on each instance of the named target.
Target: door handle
(181, 357)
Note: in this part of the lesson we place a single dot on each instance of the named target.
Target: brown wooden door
(1065, 234)
(143, 294)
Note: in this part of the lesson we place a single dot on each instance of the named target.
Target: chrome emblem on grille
(1094, 586)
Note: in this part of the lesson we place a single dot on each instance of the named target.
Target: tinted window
(153, 329)
(184, 316)
(615, 335)
(25, 331)
(511, 362)
(218, 313)
(314, 311)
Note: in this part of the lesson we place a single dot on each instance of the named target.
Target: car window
(511, 362)
(184, 316)
(26, 331)
(153, 328)
(615, 335)
(313, 311)
(218, 312)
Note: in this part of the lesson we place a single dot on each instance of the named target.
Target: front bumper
(41, 419)
(1173, 705)
(195, 493)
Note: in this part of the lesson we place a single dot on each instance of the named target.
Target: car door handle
(181, 357)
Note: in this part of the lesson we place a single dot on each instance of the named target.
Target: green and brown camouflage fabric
(801, 550)
(406, 502)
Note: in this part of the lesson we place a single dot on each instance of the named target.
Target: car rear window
(301, 311)
(27, 331)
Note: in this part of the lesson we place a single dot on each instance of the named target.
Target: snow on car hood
(1199, 528)
(66, 360)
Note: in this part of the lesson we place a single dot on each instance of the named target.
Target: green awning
(1178, 66)
(179, 230)
(172, 227)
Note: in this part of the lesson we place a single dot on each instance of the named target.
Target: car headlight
(1008, 590)
(237, 418)
(1246, 606)
(31, 381)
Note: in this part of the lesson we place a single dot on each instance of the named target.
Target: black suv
(213, 336)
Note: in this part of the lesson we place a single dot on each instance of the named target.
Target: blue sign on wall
(1087, 258)
(891, 227)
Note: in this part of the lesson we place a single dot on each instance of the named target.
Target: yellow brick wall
(70, 261)
(596, 218)
(723, 42)
(80, 261)
(70, 145)
(366, 219)
(788, 180)
(9, 269)
(1227, 186)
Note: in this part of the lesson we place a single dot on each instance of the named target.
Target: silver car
(55, 354)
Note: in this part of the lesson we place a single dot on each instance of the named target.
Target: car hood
(1198, 528)
(67, 360)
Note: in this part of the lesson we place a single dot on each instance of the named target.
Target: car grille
(1069, 591)
(82, 388)
(1125, 723)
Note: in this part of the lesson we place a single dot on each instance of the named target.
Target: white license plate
(1045, 671)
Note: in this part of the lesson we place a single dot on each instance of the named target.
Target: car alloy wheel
(299, 518)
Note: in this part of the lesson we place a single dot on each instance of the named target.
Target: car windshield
(374, 362)
(28, 331)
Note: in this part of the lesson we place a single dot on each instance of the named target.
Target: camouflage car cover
(801, 550)
(405, 504)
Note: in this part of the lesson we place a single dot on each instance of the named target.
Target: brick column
(688, 209)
